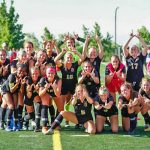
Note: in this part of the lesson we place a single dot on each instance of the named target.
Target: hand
(83, 73)
(92, 74)
(37, 64)
(98, 107)
(85, 93)
(111, 74)
(47, 85)
(66, 37)
(120, 105)
(17, 80)
(138, 35)
(88, 38)
(118, 73)
(75, 36)
(74, 96)
(54, 43)
(36, 87)
(64, 50)
(107, 105)
(97, 37)
(29, 87)
(131, 34)
(23, 81)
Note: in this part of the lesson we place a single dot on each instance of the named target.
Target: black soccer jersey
(10, 82)
(69, 77)
(50, 60)
(91, 86)
(135, 69)
(29, 101)
(96, 63)
(83, 109)
(6, 63)
(44, 81)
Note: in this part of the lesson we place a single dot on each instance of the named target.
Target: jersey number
(134, 65)
(69, 77)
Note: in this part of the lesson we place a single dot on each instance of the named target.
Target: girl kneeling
(82, 115)
(105, 107)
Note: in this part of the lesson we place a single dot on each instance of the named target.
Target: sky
(62, 16)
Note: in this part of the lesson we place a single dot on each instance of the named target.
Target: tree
(145, 34)
(109, 47)
(10, 30)
(85, 31)
(47, 35)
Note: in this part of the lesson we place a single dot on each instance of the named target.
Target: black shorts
(107, 113)
(84, 118)
(124, 112)
(28, 102)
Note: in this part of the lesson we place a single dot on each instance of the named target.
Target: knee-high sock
(146, 118)
(52, 113)
(44, 115)
(15, 116)
(2, 114)
(37, 114)
(133, 121)
(10, 112)
(57, 121)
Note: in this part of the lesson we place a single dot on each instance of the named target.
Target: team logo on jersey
(89, 83)
(72, 69)
(85, 104)
(105, 110)
(82, 112)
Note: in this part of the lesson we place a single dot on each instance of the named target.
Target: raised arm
(59, 56)
(126, 47)
(100, 47)
(56, 47)
(144, 50)
(79, 55)
(85, 47)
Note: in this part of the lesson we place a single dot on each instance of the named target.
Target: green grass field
(72, 139)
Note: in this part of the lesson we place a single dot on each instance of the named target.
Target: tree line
(11, 33)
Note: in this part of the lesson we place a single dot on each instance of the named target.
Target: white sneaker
(48, 132)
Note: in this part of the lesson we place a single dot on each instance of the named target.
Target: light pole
(116, 29)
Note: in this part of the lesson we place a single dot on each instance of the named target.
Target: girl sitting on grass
(82, 115)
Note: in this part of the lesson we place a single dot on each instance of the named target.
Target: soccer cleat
(37, 129)
(78, 126)
(8, 129)
(33, 124)
(2, 126)
(147, 128)
(15, 128)
(49, 132)
(19, 126)
(131, 132)
(24, 128)
(67, 125)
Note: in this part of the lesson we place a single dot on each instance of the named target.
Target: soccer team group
(31, 83)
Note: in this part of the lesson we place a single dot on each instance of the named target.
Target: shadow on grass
(139, 131)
